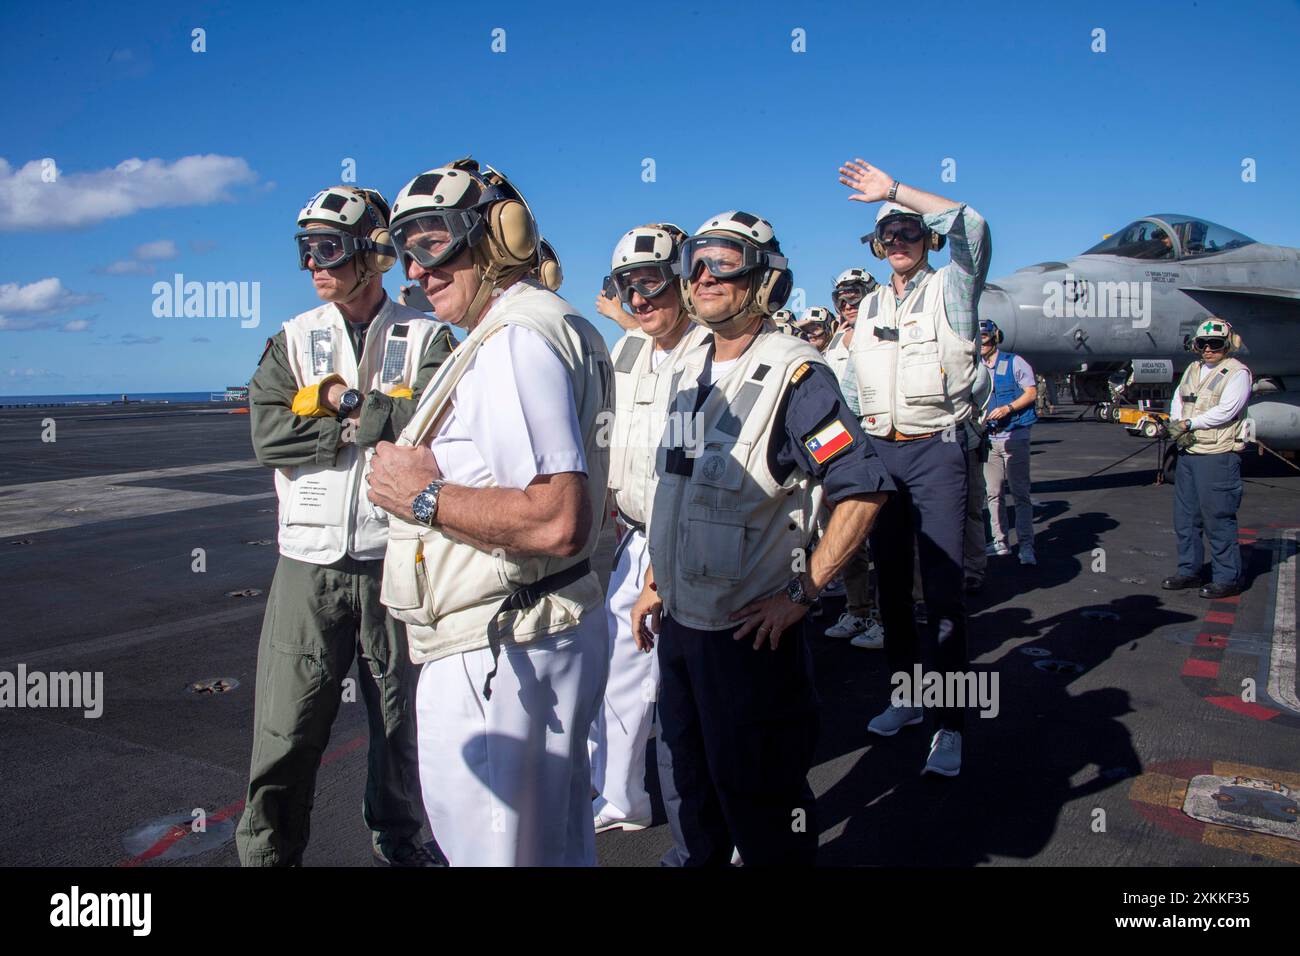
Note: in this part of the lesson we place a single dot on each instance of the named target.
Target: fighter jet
(1129, 304)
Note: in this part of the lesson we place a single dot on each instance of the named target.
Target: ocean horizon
(109, 398)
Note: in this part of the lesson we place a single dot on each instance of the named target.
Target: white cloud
(28, 374)
(76, 325)
(127, 267)
(44, 295)
(161, 249)
(73, 200)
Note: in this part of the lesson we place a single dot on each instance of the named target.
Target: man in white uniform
(645, 279)
(497, 490)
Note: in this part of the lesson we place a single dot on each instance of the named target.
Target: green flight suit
(317, 618)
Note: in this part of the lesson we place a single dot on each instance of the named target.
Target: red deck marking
(1235, 599)
(1252, 530)
(180, 831)
(1199, 668)
(1239, 706)
(1220, 617)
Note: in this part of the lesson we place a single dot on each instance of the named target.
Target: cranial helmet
(771, 280)
(351, 223)
(893, 212)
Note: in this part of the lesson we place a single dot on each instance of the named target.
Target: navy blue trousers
(1207, 494)
(741, 726)
(928, 511)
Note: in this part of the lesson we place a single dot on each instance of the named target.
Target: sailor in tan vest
(337, 379)
(815, 327)
(914, 355)
(496, 490)
(730, 519)
(1207, 423)
(645, 278)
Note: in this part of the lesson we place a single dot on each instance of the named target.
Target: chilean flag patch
(828, 442)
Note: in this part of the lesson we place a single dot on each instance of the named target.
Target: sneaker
(893, 719)
(607, 819)
(1027, 555)
(945, 754)
(848, 625)
(872, 637)
(998, 549)
(408, 854)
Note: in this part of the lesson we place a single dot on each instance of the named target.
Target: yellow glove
(307, 402)
(401, 392)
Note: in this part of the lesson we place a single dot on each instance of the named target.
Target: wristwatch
(893, 190)
(425, 505)
(795, 592)
(348, 401)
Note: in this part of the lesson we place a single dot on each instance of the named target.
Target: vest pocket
(712, 549)
(921, 374)
(404, 587)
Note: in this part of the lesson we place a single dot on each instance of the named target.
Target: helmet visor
(650, 280)
(436, 237)
(1210, 344)
(724, 258)
(328, 248)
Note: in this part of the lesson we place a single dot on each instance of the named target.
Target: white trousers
(505, 781)
(619, 734)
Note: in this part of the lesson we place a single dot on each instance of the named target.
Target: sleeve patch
(828, 442)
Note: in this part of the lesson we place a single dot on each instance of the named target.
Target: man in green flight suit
(337, 380)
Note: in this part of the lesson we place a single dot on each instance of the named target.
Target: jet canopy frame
(1169, 236)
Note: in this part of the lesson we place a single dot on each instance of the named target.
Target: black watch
(795, 592)
(348, 403)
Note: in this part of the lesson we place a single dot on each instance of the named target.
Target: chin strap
(491, 277)
(738, 321)
(364, 276)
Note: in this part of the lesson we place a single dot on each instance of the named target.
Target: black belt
(521, 599)
(634, 525)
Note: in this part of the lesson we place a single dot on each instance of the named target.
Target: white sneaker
(608, 819)
(945, 754)
(735, 857)
(1027, 555)
(893, 719)
(998, 548)
(872, 637)
(847, 626)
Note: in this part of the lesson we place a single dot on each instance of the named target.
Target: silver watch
(425, 505)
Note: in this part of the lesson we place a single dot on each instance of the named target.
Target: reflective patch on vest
(874, 307)
(733, 417)
(627, 355)
(394, 361)
(1002, 367)
(399, 331)
(322, 351)
(828, 442)
(760, 372)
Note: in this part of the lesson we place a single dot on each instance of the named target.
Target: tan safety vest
(730, 533)
(838, 355)
(449, 592)
(637, 431)
(324, 511)
(914, 373)
(1199, 399)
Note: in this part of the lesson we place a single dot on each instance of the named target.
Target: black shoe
(1180, 582)
(974, 585)
(1225, 590)
(409, 855)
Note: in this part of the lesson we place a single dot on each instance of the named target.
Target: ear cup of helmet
(1234, 342)
(511, 233)
(377, 261)
(774, 289)
(551, 275)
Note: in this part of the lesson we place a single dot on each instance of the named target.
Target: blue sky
(1054, 143)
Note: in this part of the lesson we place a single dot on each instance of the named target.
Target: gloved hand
(1186, 440)
(307, 401)
(1180, 433)
(401, 391)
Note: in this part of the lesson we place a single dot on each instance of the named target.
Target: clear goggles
(433, 238)
(329, 248)
(1210, 344)
(650, 280)
(850, 296)
(724, 258)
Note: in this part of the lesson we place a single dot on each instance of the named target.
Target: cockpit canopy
(1169, 236)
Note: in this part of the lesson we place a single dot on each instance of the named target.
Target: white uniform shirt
(1232, 400)
(513, 416)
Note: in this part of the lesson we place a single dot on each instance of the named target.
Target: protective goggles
(433, 238)
(851, 296)
(649, 280)
(907, 229)
(331, 248)
(724, 258)
(1210, 344)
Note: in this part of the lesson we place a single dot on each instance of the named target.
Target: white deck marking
(1282, 657)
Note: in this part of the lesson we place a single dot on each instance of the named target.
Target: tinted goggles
(899, 230)
(724, 258)
(1209, 344)
(648, 280)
